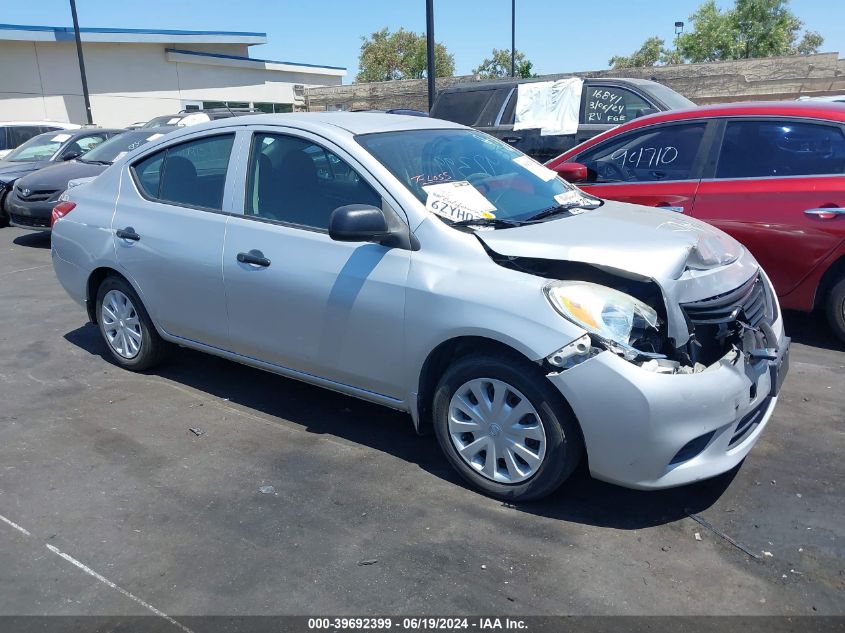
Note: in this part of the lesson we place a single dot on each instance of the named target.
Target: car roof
(510, 83)
(351, 122)
(58, 124)
(809, 109)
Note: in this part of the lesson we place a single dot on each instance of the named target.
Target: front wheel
(505, 428)
(836, 309)
(126, 327)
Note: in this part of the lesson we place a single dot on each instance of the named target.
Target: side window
(611, 105)
(3, 142)
(463, 106)
(86, 143)
(20, 134)
(650, 155)
(295, 181)
(755, 149)
(192, 173)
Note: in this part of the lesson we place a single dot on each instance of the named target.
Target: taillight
(60, 211)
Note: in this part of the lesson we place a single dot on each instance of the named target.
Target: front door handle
(128, 234)
(825, 213)
(666, 207)
(511, 139)
(254, 257)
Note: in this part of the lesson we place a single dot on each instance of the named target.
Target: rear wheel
(836, 308)
(130, 335)
(505, 428)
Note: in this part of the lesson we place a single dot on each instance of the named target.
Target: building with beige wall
(134, 74)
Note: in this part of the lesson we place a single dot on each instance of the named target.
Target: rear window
(463, 106)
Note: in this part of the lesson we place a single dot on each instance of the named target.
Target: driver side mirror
(358, 223)
(572, 172)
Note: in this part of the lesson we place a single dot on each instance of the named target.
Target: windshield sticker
(574, 197)
(119, 156)
(154, 137)
(60, 138)
(423, 179)
(457, 201)
(542, 172)
(173, 121)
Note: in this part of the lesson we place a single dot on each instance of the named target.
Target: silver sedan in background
(431, 268)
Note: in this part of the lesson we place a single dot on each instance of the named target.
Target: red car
(770, 174)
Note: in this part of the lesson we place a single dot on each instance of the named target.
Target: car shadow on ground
(36, 239)
(811, 329)
(582, 499)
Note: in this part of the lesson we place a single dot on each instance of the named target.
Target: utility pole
(513, 38)
(429, 46)
(81, 62)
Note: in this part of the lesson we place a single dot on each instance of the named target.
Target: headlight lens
(612, 315)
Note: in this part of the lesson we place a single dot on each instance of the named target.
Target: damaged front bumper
(645, 429)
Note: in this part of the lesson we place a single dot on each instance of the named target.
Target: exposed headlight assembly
(613, 316)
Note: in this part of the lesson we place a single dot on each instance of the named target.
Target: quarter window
(654, 154)
(755, 149)
(191, 174)
(295, 181)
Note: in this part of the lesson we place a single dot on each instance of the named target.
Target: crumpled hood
(645, 241)
(10, 170)
(57, 176)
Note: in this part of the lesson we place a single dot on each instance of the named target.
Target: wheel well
(97, 277)
(828, 280)
(437, 362)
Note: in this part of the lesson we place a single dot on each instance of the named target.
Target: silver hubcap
(496, 430)
(121, 324)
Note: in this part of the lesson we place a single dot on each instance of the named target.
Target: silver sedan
(430, 268)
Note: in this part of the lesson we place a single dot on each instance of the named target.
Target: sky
(556, 35)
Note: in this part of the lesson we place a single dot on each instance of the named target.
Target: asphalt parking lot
(99, 467)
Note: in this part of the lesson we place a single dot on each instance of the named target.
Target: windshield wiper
(94, 162)
(499, 223)
(563, 208)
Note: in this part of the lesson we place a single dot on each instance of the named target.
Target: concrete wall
(131, 82)
(742, 80)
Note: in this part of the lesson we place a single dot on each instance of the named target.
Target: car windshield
(669, 97)
(116, 147)
(465, 175)
(40, 147)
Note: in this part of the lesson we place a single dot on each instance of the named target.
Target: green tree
(386, 56)
(751, 28)
(499, 65)
(648, 54)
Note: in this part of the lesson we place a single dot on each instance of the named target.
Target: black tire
(836, 309)
(564, 442)
(153, 349)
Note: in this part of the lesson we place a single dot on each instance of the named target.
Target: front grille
(748, 423)
(747, 303)
(39, 195)
(25, 220)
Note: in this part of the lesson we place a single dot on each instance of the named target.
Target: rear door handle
(254, 257)
(511, 139)
(825, 213)
(128, 234)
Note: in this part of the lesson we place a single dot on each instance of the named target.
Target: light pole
(513, 38)
(81, 62)
(429, 46)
